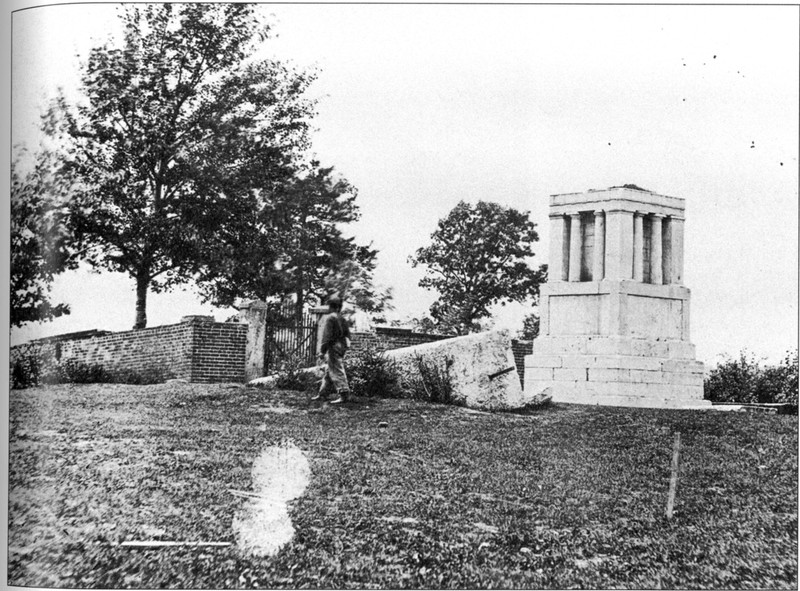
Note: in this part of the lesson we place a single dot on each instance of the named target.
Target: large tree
(40, 239)
(178, 134)
(297, 250)
(479, 256)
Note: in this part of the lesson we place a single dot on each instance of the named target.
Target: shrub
(74, 371)
(779, 382)
(294, 375)
(35, 366)
(434, 382)
(372, 373)
(148, 375)
(26, 369)
(745, 380)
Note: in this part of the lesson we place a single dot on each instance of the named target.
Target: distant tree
(39, 241)
(178, 135)
(530, 327)
(478, 258)
(424, 324)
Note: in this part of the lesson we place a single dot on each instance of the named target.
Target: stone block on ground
(483, 372)
(312, 373)
(543, 398)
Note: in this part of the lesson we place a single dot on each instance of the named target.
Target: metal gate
(287, 342)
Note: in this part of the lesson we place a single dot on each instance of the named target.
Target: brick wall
(197, 350)
(520, 350)
(386, 338)
(218, 352)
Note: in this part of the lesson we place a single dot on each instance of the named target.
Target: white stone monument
(615, 313)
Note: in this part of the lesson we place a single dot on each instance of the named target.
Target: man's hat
(334, 300)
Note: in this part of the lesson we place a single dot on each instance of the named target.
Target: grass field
(569, 496)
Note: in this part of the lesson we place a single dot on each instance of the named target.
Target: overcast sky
(423, 106)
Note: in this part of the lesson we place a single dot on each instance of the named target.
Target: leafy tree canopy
(296, 248)
(177, 137)
(530, 327)
(39, 241)
(352, 279)
(478, 257)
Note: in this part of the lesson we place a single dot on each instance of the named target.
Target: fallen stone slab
(541, 399)
(312, 373)
(480, 366)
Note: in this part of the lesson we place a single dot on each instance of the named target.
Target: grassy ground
(440, 497)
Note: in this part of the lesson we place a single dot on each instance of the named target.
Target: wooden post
(170, 544)
(673, 479)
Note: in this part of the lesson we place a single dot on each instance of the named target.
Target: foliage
(294, 375)
(434, 382)
(153, 374)
(478, 257)
(26, 366)
(297, 249)
(530, 327)
(74, 371)
(39, 241)
(746, 380)
(427, 325)
(779, 382)
(36, 365)
(573, 496)
(177, 135)
(352, 279)
(371, 373)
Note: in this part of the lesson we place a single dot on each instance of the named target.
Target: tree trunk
(142, 283)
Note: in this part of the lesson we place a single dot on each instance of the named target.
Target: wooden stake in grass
(170, 544)
(673, 479)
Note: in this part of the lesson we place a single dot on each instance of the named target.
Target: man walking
(335, 341)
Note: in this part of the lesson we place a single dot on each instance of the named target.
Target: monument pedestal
(614, 318)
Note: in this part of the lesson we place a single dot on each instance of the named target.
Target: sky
(421, 106)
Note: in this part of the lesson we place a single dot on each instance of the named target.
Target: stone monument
(614, 314)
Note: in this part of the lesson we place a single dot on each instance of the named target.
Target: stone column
(599, 246)
(676, 247)
(638, 247)
(556, 270)
(656, 258)
(574, 247)
(667, 252)
(619, 245)
(254, 313)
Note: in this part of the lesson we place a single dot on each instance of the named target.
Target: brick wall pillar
(318, 312)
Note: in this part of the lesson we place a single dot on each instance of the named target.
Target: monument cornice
(620, 195)
(613, 205)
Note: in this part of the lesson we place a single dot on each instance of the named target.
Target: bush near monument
(747, 380)
(436, 498)
(371, 374)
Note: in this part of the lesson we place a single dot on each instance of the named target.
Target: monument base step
(633, 401)
(608, 393)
